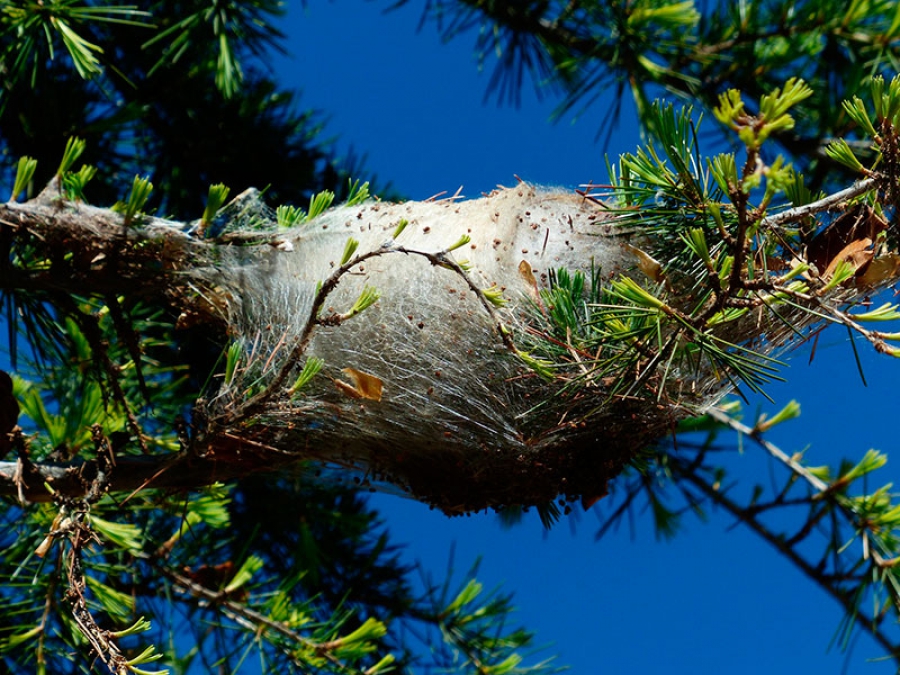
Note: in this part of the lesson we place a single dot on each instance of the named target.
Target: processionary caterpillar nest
(499, 351)
(460, 419)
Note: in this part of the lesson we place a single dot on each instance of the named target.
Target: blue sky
(716, 598)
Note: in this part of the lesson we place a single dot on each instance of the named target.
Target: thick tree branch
(43, 481)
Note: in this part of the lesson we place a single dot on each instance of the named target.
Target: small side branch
(824, 204)
(101, 641)
(796, 468)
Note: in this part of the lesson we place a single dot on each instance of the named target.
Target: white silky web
(458, 423)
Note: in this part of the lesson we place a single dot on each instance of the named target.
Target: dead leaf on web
(881, 270)
(647, 264)
(860, 222)
(527, 275)
(363, 386)
(858, 253)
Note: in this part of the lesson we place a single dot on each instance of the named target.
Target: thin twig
(798, 469)
(820, 205)
(250, 618)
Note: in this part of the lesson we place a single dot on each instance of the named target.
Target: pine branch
(824, 499)
(874, 626)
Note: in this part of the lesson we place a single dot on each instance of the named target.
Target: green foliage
(878, 130)
(542, 367)
(859, 547)
(149, 655)
(368, 297)
(232, 359)
(217, 195)
(886, 312)
(24, 174)
(231, 27)
(289, 216)
(840, 152)
(74, 183)
(773, 114)
(401, 226)
(194, 553)
(292, 216)
(171, 67)
(349, 250)
(310, 369)
(33, 27)
(356, 193)
(494, 295)
(462, 619)
(462, 241)
(692, 53)
(74, 148)
(788, 412)
(251, 565)
(672, 176)
(137, 198)
(319, 203)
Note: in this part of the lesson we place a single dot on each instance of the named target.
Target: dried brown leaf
(858, 253)
(364, 385)
(859, 222)
(881, 270)
(527, 275)
(647, 264)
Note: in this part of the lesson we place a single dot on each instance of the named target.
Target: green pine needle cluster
(716, 264)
